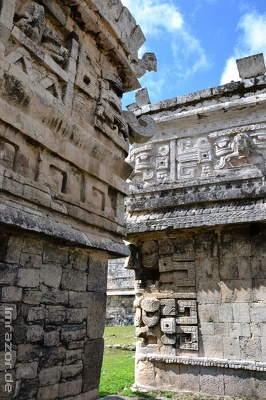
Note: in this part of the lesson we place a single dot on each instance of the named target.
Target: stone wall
(64, 66)
(196, 215)
(120, 294)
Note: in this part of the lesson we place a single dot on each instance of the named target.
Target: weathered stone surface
(196, 223)
(92, 364)
(96, 315)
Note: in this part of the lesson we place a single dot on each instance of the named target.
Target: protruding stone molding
(140, 129)
(23, 217)
(202, 361)
(193, 217)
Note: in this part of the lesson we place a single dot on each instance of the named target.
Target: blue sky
(196, 42)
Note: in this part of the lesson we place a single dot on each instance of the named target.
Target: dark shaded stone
(93, 356)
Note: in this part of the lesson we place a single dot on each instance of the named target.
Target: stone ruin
(64, 65)
(120, 294)
(196, 221)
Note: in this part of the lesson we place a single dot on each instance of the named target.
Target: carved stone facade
(196, 221)
(64, 66)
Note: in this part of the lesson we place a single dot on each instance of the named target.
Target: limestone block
(251, 66)
(54, 296)
(226, 313)
(69, 371)
(74, 280)
(211, 346)
(241, 312)
(76, 315)
(70, 388)
(55, 255)
(211, 381)
(258, 312)
(189, 377)
(239, 383)
(71, 333)
(208, 313)
(222, 329)
(30, 260)
(11, 294)
(260, 384)
(27, 353)
(35, 333)
(28, 278)
(145, 373)
(36, 314)
(26, 370)
(14, 250)
(150, 304)
(78, 299)
(55, 315)
(73, 356)
(92, 364)
(48, 392)
(8, 274)
(51, 339)
(250, 348)
(50, 376)
(51, 275)
(32, 296)
(52, 356)
(96, 315)
(231, 348)
(20, 331)
(97, 275)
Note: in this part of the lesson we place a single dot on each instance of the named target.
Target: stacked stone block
(57, 318)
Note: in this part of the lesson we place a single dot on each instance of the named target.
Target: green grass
(118, 365)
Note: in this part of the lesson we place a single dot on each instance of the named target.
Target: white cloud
(252, 40)
(155, 15)
(162, 22)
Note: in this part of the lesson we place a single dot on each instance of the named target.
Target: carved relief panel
(200, 157)
(166, 308)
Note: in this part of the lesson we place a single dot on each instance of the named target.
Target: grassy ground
(118, 364)
(118, 368)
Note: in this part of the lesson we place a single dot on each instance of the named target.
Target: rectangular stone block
(211, 381)
(231, 348)
(96, 315)
(51, 275)
(97, 275)
(50, 376)
(189, 378)
(70, 388)
(92, 364)
(26, 370)
(239, 383)
(28, 277)
(74, 280)
(48, 392)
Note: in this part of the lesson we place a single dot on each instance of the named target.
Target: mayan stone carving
(64, 66)
(196, 223)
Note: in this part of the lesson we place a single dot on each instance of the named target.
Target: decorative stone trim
(204, 361)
